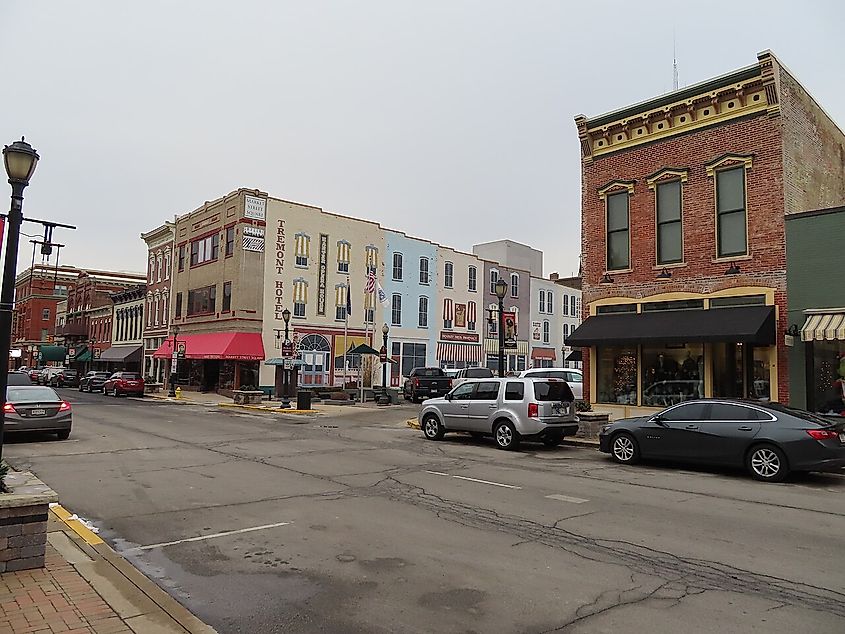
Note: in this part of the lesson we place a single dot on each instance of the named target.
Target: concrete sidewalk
(85, 586)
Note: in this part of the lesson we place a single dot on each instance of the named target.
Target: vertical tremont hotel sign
(279, 291)
(322, 274)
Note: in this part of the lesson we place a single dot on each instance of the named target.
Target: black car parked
(65, 378)
(768, 439)
(93, 381)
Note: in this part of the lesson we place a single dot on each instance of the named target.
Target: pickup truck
(471, 373)
(423, 383)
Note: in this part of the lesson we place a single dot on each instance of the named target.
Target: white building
(511, 254)
(569, 290)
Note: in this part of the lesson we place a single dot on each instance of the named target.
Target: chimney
(554, 277)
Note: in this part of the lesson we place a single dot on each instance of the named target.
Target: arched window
(397, 266)
(546, 332)
(514, 285)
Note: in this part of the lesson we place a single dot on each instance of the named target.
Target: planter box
(590, 424)
(153, 388)
(23, 521)
(247, 397)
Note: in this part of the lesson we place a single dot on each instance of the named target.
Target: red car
(124, 383)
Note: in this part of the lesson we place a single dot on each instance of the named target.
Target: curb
(87, 535)
(272, 410)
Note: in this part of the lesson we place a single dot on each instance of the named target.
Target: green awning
(53, 353)
(82, 358)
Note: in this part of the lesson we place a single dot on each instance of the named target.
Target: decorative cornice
(728, 160)
(667, 174)
(615, 187)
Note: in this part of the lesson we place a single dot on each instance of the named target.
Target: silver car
(574, 377)
(35, 408)
(509, 409)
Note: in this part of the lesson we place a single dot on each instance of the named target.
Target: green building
(815, 263)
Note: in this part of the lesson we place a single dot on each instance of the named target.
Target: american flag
(371, 281)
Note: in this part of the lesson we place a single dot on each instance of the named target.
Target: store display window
(828, 380)
(672, 374)
(616, 375)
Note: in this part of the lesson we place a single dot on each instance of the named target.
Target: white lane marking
(437, 473)
(495, 484)
(211, 536)
(566, 498)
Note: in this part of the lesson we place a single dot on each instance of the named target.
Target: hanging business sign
(255, 208)
(535, 330)
(253, 239)
(322, 274)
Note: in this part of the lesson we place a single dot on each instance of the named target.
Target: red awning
(543, 353)
(244, 346)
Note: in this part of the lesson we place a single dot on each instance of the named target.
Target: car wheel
(432, 427)
(63, 435)
(767, 463)
(79, 389)
(405, 395)
(114, 393)
(624, 449)
(553, 441)
(505, 435)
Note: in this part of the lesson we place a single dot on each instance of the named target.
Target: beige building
(216, 292)
(317, 264)
(459, 312)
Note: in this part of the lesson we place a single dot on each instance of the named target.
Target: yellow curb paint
(413, 423)
(76, 526)
(273, 410)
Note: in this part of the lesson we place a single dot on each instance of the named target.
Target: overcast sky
(450, 120)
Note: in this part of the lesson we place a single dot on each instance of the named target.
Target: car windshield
(428, 372)
(552, 391)
(30, 394)
(478, 373)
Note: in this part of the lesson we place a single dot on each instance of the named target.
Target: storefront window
(672, 374)
(828, 381)
(616, 375)
(762, 383)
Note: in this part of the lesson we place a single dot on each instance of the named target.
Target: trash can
(303, 399)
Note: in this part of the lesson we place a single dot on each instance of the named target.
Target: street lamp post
(91, 344)
(20, 159)
(286, 356)
(171, 389)
(385, 399)
(501, 289)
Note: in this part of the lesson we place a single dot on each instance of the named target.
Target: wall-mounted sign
(465, 337)
(253, 239)
(322, 274)
(255, 208)
(460, 315)
(181, 348)
(96, 353)
(535, 330)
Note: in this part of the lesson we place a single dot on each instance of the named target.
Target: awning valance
(491, 346)
(451, 351)
(741, 324)
(543, 353)
(53, 353)
(239, 346)
(824, 326)
(122, 354)
(575, 356)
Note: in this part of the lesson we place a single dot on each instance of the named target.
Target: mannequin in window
(690, 367)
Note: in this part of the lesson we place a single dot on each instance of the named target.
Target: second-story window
(669, 225)
(566, 305)
(515, 285)
(731, 235)
(302, 243)
(343, 257)
(423, 270)
(448, 275)
(230, 241)
(397, 266)
(159, 267)
(472, 279)
(423, 320)
(202, 300)
(45, 314)
(182, 257)
(396, 310)
(618, 232)
(178, 304)
(494, 277)
(205, 249)
(227, 296)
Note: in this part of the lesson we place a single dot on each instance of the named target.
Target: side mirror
(658, 419)
(448, 396)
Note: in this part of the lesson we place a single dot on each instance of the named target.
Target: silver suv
(511, 409)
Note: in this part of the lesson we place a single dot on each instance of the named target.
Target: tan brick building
(684, 199)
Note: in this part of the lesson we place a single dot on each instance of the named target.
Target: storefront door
(315, 352)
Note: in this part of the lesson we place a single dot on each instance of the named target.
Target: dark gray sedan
(36, 408)
(768, 439)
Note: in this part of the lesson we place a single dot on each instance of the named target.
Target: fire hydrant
(178, 392)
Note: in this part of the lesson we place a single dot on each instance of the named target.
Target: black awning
(122, 354)
(740, 324)
(575, 355)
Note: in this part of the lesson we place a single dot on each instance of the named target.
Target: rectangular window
(618, 235)
(669, 225)
(396, 310)
(340, 313)
(616, 375)
(542, 307)
(742, 300)
(230, 241)
(550, 302)
(472, 284)
(182, 257)
(45, 314)
(566, 305)
(202, 301)
(546, 332)
(514, 285)
(423, 319)
(413, 356)
(565, 332)
(205, 249)
(672, 375)
(616, 308)
(178, 304)
(299, 309)
(572, 306)
(423, 270)
(494, 277)
(397, 266)
(301, 260)
(227, 296)
(343, 267)
(448, 275)
(369, 315)
(730, 212)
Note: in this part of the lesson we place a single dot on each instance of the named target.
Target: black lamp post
(285, 370)
(91, 344)
(501, 290)
(385, 399)
(20, 159)
(171, 389)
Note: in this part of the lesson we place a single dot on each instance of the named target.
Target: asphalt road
(358, 524)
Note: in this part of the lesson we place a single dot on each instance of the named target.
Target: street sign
(181, 346)
(510, 343)
(287, 348)
(382, 354)
(72, 352)
(96, 353)
(288, 364)
(40, 355)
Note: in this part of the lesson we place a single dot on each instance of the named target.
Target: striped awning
(471, 312)
(301, 243)
(300, 291)
(343, 251)
(824, 326)
(448, 309)
(450, 351)
(491, 346)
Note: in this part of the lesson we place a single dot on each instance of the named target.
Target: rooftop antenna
(674, 64)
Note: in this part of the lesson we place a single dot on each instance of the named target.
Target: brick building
(159, 243)
(684, 199)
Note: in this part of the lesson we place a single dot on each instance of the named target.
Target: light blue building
(410, 281)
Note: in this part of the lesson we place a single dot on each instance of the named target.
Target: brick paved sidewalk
(54, 599)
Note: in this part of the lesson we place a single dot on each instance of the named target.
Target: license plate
(560, 409)
(37, 412)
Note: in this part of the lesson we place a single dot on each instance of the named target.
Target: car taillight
(450, 384)
(416, 382)
(823, 434)
(64, 407)
(8, 409)
(533, 410)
